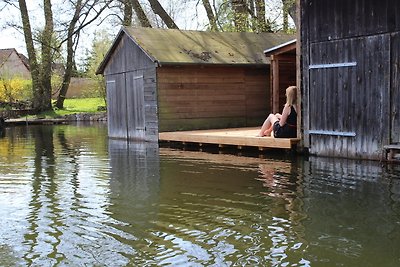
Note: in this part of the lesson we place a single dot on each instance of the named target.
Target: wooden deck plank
(232, 136)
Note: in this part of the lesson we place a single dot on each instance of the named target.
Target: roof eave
(270, 51)
(160, 64)
(122, 31)
(100, 69)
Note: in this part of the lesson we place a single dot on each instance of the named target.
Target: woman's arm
(285, 114)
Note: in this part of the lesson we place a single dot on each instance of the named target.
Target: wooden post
(303, 143)
(275, 84)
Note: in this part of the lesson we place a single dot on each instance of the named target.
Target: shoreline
(99, 116)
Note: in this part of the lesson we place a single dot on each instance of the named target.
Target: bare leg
(266, 128)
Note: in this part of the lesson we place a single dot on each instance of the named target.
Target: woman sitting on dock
(283, 125)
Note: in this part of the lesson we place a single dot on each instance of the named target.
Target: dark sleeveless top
(292, 118)
(289, 130)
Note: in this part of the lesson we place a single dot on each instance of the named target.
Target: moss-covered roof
(168, 46)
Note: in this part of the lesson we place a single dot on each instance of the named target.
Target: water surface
(69, 196)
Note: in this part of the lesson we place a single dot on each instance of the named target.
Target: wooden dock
(240, 137)
(392, 152)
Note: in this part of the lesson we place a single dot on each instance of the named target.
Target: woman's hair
(291, 94)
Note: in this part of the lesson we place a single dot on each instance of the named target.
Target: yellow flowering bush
(15, 89)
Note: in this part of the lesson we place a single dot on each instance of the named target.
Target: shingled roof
(6, 53)
(170, 46)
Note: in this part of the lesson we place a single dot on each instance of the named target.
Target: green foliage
(230, 20)
(15, 89)
(100, 46)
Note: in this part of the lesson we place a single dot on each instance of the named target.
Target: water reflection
(69, 196)
(134, 197)
(222, 218)
(352, 217)
(44, 198)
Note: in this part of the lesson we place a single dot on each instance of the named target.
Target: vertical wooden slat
(275, 84)
(395, 88)
(135, 107)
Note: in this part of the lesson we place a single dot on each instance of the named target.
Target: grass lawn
(76, 105)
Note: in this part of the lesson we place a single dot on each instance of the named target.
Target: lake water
(69, 196)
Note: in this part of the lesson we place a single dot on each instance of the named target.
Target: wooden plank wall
(341, 19)
(287, 77)
(131, 93)
(195, 97)
(349, 99)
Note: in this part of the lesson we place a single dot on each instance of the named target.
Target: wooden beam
(275, 84)
(286, 58)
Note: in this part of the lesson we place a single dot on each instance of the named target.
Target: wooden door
(116, 106)
(135, 105)
(349, 96)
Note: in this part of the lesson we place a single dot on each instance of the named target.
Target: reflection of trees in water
(44, 205)
(73, 152)
(47, 217)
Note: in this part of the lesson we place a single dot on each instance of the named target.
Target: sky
(11, 38)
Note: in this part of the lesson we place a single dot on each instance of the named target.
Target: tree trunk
(210, 15)
(240, 15)
(285, 23)
(33, 65)
(70, 56)
(160, 11)
(143, 20)
(47, 58)
(127, 13)
(262, 25)
(290, 7)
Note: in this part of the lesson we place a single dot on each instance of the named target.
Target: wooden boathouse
(162, 80)
(350, 77)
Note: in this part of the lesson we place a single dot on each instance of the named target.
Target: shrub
(15, 89)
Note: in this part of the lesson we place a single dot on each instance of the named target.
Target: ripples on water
(71, 197)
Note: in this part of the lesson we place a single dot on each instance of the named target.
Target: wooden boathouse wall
(205, 97)
(131, 93)
(350, 76)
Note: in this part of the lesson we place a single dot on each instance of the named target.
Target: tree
(160, 11)
(81, 19)
(240, 15)
(100, 46)
(70, 56)
(210, 15)
(260, 16)
(289, 8)
(128, 12)
(41, 73)
(143, 20)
